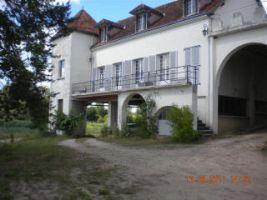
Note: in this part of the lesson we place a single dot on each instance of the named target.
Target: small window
(192, 62)
(101, 77)
(139, 71)
(232, 106)
(104, 34)
(164, 67)
(141, 22)
(163, 115)
(61, 68)
(60, 105)
(118, 74)
(191, 7)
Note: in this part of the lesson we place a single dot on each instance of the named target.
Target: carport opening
(243, 90)
(133, 108)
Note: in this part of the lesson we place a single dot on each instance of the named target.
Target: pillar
(79, 108)
(112, 114)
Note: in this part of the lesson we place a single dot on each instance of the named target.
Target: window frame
(191, 11)
(104, 34)
(118, 73)
(139, 74)
(61, 69)
(101, 76)
(164, 66)
(143, 22)
(60, 105)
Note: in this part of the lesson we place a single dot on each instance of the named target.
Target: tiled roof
(83, 22)
(173, 12)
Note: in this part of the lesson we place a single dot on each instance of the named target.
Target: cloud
(72, 1)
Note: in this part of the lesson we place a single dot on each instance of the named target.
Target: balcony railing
(163, 77)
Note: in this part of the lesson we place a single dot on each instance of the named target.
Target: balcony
(184, 75)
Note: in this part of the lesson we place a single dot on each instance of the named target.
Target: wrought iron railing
(168, 76)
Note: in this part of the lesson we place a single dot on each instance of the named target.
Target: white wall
(176, 38)
(62, 50)
(180, 96)
(75, 49)
(236, 13)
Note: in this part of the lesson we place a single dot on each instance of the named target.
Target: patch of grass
(34, 160)
(104, 191)
(17, 132)
(94, 129)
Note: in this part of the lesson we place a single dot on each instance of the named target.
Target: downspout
(211, 79)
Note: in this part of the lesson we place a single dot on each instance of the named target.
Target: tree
(26, 47)
(91, 114)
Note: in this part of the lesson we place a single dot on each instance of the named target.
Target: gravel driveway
(230, 168)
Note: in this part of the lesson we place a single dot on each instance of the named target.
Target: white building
(209, 55)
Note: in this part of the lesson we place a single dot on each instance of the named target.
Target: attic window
(141, 22)
(103, 34)
(191, 7)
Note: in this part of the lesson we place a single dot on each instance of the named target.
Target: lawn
(94, 129)
(36, 167)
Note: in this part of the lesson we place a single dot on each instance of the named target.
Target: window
(139, 71)
(141, 22)
(164, 67)
(101, 77)
(163, 115)
(60, 105)
(118, 74)
(104, 34)
(261, 107)
(232, 106)
(191, 7)
(61, 69)
(192, 62)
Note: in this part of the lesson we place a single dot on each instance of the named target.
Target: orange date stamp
(217, 179)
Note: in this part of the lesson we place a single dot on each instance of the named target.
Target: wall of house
(234, 14)
(224, 47)
(62, 50)
(75, 49)
(180, 96)
(173, 39)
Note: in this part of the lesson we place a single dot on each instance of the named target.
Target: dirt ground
(229, 168)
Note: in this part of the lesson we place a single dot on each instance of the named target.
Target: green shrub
(105, 131)
(181, 120)
(67, 123)
(146, 120)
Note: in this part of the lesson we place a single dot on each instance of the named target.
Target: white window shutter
(187, 56)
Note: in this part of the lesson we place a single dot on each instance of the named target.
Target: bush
(146, 121)
(67, 123)
(181, 120)
(105, 131)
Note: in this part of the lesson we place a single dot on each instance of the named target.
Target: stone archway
(133, 99)
(240, 100)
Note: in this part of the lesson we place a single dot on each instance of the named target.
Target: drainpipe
(211, 95)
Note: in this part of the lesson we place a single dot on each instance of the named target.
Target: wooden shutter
(195, 64)
(173, 65)
(152, 68)
(127, 74)
(146, 70)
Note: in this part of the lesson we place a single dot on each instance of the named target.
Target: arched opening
(164, 127)
(132, 106)
(242, 86)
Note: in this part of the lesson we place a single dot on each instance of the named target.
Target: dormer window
(145, 16)
(103, 34)
(191, 7)
(141, 22)
(106, 27)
